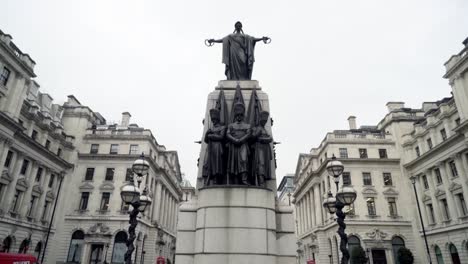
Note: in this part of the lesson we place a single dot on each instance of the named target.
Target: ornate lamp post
(413, 181)
(344, 196)
(131, 195)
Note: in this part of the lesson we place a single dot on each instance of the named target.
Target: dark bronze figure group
(238, 53)
(239, 154)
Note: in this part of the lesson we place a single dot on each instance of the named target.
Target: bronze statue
(238, 53)
(238, 134)
(213, 169)
(262, 151)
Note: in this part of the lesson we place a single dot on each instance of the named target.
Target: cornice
(22, 65)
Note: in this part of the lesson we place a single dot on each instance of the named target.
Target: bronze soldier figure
(263, 156)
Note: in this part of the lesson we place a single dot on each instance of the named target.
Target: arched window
(24, 246)
(353, 242)
(76, 247)
(454, 254)
(6, 244)
(331, 251)
(438, 254)
(38, 249)
(397, 243)
(118, 253)
(337, 249)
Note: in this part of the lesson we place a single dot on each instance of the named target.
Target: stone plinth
(235, 224)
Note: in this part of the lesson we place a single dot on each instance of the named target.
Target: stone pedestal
(235, 224)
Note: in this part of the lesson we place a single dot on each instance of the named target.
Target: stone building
(286, 189)
(188, 191)
(35, 155)
(426, 145)
(96, 220)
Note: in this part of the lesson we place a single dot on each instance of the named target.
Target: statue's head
(238, 27)
(264, 118)
(214, 115)
(239, 110)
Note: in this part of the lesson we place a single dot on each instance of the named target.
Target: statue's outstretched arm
(209, 42)
(266, 40)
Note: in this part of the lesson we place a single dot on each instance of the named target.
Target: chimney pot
(125, 119)
(352, 122)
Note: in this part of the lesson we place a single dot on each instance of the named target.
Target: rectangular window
(429, 143)
(371, 206)
(16, 201)
(109, 174)
(94, 149)
(129, 175)
(438, 175)
(84, 201)
(445, 208)
(51, 180)
(392, 207)
(387, 179)
(24, 167)
(8, 159)
(34, 135)
(45, 211)
(366, 178)
(39, 174)
(31, 205)
(453, 168)
(383, 153)
(47, 144)
(461, 200)
(5, 76)
(105, 201)
(343, 153)
(430, 210)
(425, 183)
(59, 152)
(418, 153)
(443, 134)
(346, 178)
(363, 153)
(89, 174)
(114, 149)
(133, 149)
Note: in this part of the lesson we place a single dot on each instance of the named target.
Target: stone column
(302, 215)
(5, 147)
(27, 195)
(157, 202)
(438, 211)
(318, 205)
(424, 213)
(451, 202)
(164, 210)
(306, 213)
(11, 189)
(314, 209)
(299, 219)
(176, 214)
(40, 204)
(170, 211)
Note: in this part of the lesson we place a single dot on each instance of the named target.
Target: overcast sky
(327, 60)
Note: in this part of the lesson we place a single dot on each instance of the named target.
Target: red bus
(11, 258)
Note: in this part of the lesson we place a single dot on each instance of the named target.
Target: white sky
(328, 60)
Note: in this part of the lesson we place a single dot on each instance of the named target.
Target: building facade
(286, 189)
(427, 146)
(96, 220)
(35, 155)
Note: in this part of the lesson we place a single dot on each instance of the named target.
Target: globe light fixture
(145, 201)
(335, 167)
(130, 194)
(140, 167)
(346, 195)
(330, 203)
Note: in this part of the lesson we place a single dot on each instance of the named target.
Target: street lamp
(344, 196)
(139, 201)
(413, 181)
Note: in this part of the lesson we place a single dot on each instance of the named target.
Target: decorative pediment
(377, 234)
(369, 191)
(455, 187)
(390, 191)
(22, 185)
(86, 186)
(6, 177)
(426, 198)
(99, 229)
(439, 192)
(37, 189)
(50, 195)
(107, 186)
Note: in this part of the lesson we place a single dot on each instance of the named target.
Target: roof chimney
(395, 106)
(352, 122)
(125, 119)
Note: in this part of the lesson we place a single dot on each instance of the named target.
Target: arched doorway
(118, 252)
(76, 247)
(454, 254)
(6, 244)
(38, 249)
(24, 246)
(397, 243)
(438, 254)
(353, 243)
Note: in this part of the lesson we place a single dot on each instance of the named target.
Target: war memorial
(235, 216)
